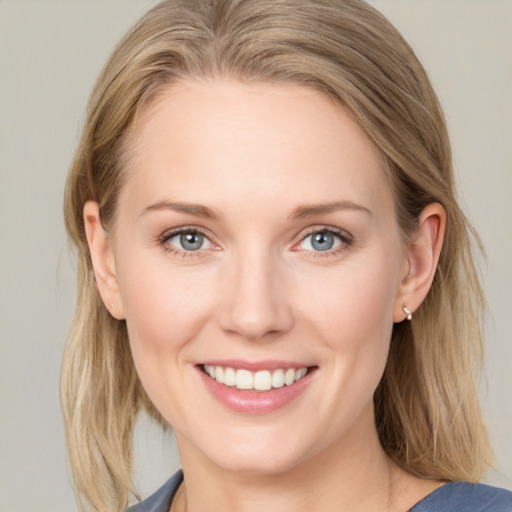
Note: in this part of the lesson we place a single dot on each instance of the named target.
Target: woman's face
(256, 235)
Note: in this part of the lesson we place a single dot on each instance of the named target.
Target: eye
(188, 241)
(323, 240)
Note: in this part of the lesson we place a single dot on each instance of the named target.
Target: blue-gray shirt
(450, 497)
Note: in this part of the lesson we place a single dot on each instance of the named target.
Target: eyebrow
(197, 210)
(302, 212)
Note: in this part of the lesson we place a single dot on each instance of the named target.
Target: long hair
(427, 411)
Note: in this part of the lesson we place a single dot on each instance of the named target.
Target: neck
(336, 479)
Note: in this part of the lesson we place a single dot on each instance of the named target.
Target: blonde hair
(427, 409)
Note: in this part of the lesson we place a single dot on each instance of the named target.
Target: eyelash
(344, 237)
(168, 235)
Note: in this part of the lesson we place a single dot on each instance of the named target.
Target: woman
(273, 262)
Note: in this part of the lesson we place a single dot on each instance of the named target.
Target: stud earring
(407, 311)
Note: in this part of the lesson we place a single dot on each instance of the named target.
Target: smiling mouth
(262, 380)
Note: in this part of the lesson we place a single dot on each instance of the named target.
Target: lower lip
(255, 402)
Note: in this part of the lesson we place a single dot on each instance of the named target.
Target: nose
(255, 306)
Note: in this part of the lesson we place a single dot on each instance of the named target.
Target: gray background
(50, 54)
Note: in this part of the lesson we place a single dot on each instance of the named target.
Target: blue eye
(189, 241)
(322, 240)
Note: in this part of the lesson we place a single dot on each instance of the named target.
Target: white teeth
(278, 379)
(262, 380)
(244, 379)
(300, 373)
(219, 374)
(229, 377)
(289, 376)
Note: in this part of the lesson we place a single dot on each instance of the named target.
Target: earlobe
(102, 259)
(422, 257)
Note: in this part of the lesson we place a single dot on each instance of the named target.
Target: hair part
(427, 411)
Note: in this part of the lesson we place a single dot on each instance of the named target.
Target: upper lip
(269, 364)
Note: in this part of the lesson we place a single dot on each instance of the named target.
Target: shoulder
(463, 496)
(161, 500)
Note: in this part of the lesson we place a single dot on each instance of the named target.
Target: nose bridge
(256, 304)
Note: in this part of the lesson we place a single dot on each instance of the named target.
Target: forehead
(244, 140)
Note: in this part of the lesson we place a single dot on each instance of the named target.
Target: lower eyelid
(336, 252)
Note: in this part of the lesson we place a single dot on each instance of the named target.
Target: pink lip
(256, 402)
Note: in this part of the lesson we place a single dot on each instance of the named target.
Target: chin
(258, 464)
(252, 457)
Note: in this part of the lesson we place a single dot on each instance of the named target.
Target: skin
(257, 290)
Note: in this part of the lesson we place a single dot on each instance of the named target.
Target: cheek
(354, 301)
(163, 309)
(353, 320)
(352, 313)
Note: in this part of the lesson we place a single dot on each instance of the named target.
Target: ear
(102, 257)
(422, 256)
